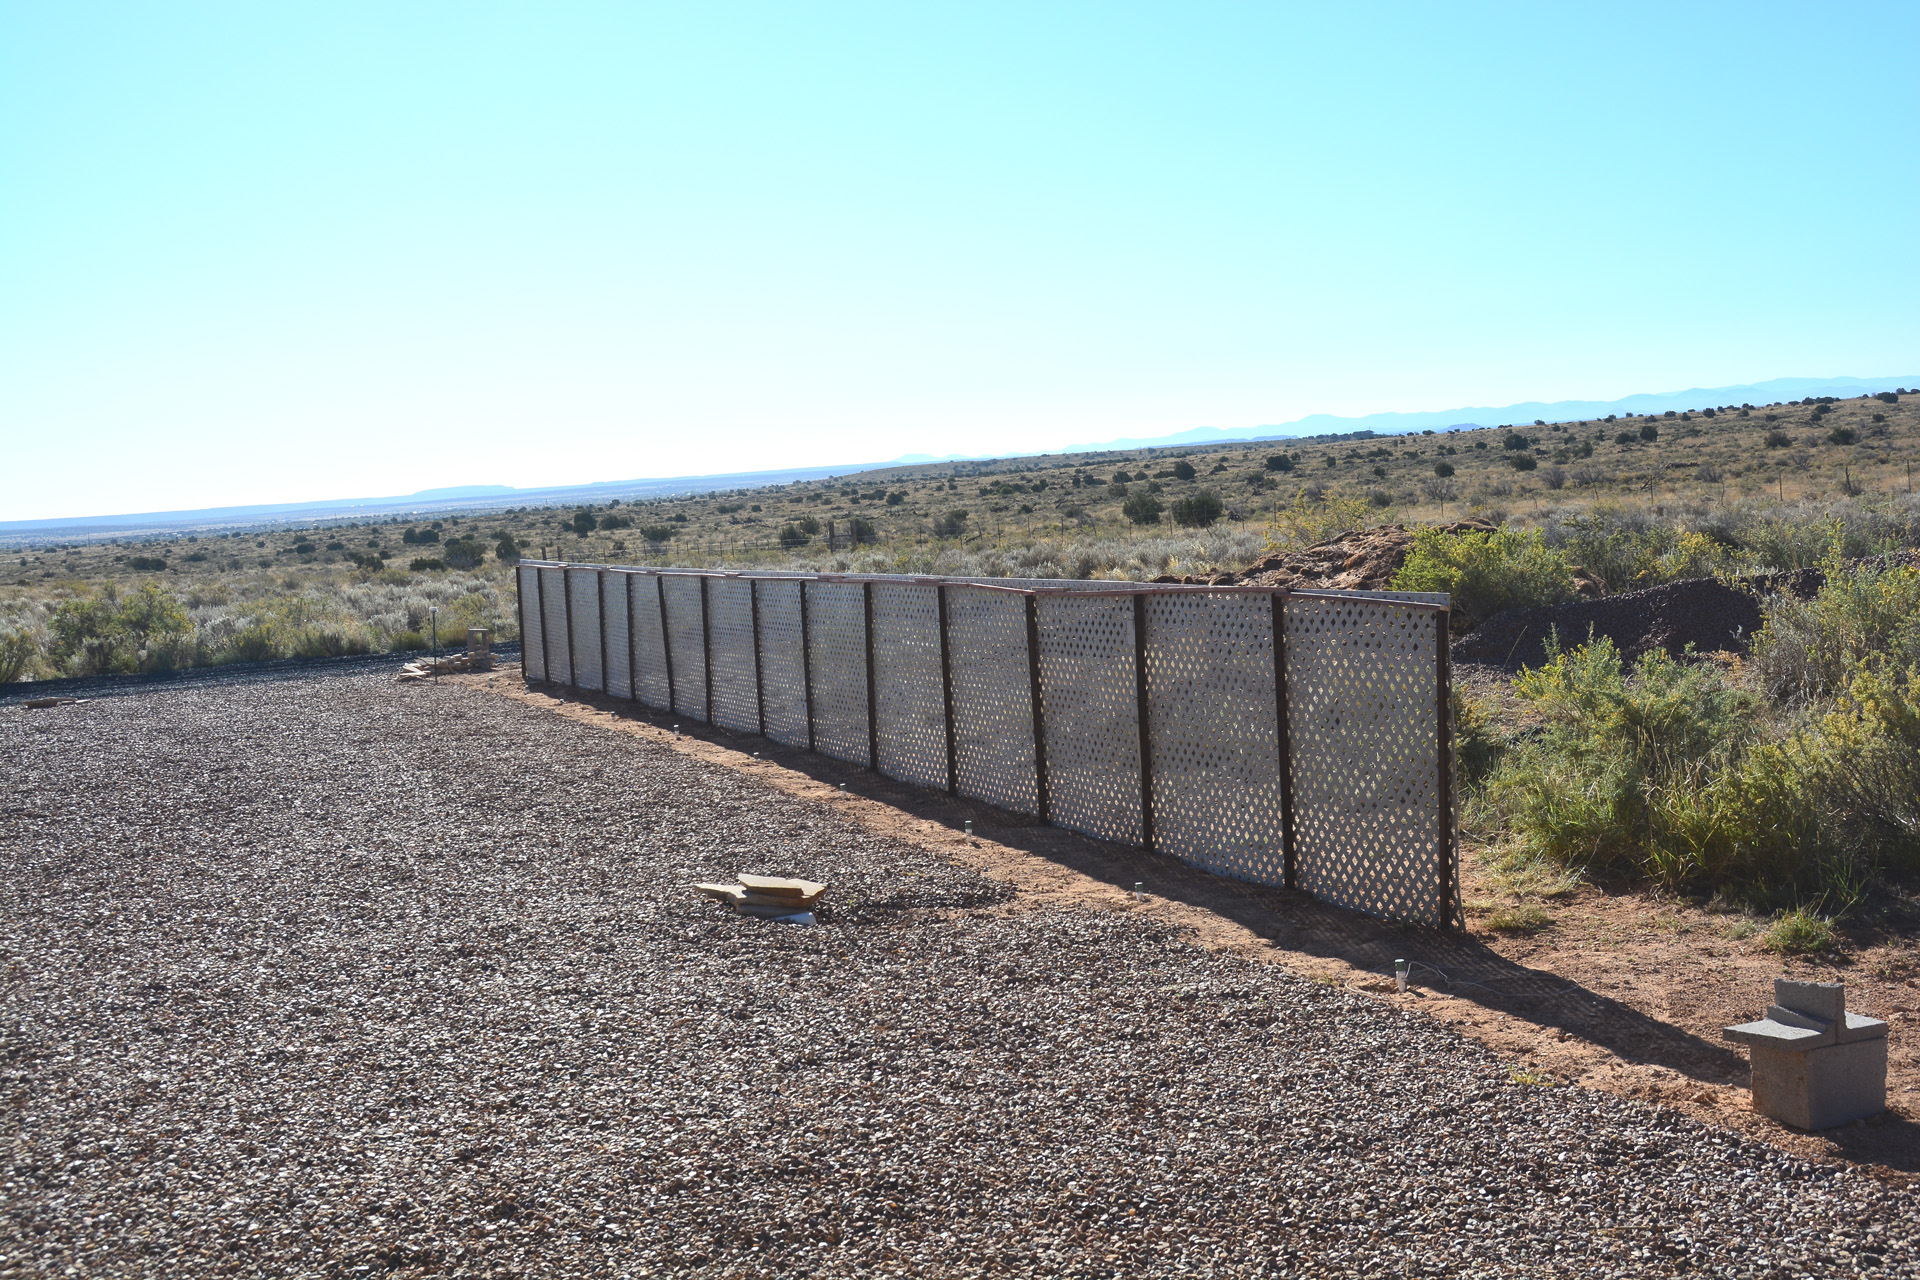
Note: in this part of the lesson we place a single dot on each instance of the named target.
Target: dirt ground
(1623, 993)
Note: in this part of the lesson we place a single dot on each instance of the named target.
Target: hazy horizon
(258, 256)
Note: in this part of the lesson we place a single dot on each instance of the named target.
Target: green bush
(147, 564)
(658, 532)
(1486, 572)
(1443, 469)
(1862, 618)
(1779, 440)
(1143, 508)
(146, 630)
(951, 525)
(426, 565)
(1279, 462)
(19, 656)
(1523, 461)
(507, 551)
(1183, 470)
(1199, 510)
(1649, 433)
(464, 553)
(1670, 773)
(791, 538)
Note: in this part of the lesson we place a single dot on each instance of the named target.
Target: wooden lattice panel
(649, 643)
(1214, 733)
(619, 653)
(553, 596)
(687, 639)
(1361, 684)
(586, 628)
(992, 722)
(1090, 711)
(837, 635)
(736, 698)
(909, 702)
(533, 655)
(783, 674)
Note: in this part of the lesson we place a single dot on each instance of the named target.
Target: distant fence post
(600, 612)
(666, 644)
(633, 650)
(1443, 717)
(806, 662)
(1041, 792)
(706, 647)
(946, 694)
(1141, 720)
(759, 680)
(873, 719)
(1284, 739)
(573, 661)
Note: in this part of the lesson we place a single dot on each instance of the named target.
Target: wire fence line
(1295, 739)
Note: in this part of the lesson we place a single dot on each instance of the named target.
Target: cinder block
(1824, 1087)
(1823, 1000)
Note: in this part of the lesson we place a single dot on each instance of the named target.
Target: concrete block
(1821, 1088)
(1779, 1035)
(1823, 1000)
(1859, 1026)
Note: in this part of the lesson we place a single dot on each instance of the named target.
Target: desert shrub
(1313, 517)
(657, 532)
(1443, 469)
(1624, 437)
(464, 553)
(1486, 572)
(408, 641)
(792, 539)
(1649, 433)
(951, 525)
(1198, 510)
(1863, 618)
(415, 535)
(1523, 461)
(146, 630)
(425, 565)
(1779, 440)
(19, 656)
(507, 551)
(147, 564)
(1478, 742)
(612, 521)
(1280, 462)
(1554, 478)
(1842, 435)
(1438, 489)
(1183, 470)
(1143, 508)
(1670, 773)
(1798, 932)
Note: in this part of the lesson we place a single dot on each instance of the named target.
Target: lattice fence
(1297, 740)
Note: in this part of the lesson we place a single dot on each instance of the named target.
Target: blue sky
(258, 253)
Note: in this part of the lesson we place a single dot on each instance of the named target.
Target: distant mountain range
(428, 502)
(1777, 390)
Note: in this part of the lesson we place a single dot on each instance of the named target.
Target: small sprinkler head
(676, 731)
(843, 788)
(969, 826)
(1400, 971)
(1140, 891)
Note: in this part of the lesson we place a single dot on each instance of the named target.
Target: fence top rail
(1118, 589)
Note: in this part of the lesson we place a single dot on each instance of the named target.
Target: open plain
(332, 976)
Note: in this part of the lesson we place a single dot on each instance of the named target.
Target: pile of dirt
(1711, 615)
(1365, 560)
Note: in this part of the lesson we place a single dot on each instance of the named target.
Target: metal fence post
(759, 682)
(520, 611)
(633, 651)
(666, 642)
(1443, 716)
(946, 694)
(1283, 715)
(573, 663)
(806, 663)
(546, 650)
(873, 719)
(600, 594)
(1042, 798)
(706, 647)
(1146, 732)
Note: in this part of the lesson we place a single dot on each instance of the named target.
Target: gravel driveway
(342, 977)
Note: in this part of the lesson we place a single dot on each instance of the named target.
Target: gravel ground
(341, 977)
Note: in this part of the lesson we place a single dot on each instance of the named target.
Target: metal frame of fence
(1299, 739)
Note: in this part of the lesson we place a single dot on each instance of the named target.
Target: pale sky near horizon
(263, 253)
